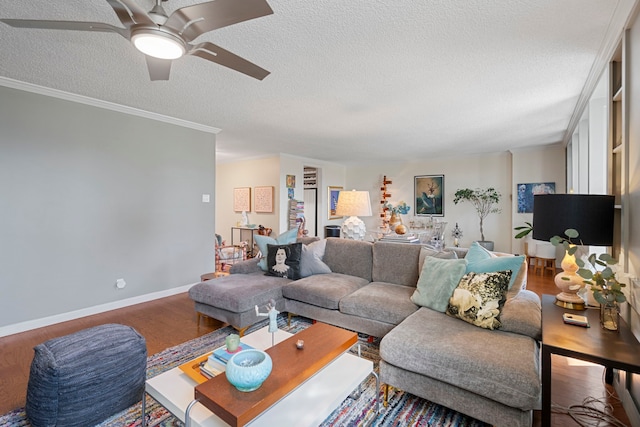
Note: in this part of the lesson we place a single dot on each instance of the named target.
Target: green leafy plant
(523, 230)
(596, 272)
(400, 208)
(483, 200)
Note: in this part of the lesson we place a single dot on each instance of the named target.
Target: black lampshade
(590, 214)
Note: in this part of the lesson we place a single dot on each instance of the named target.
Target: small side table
(544, 264)
(613, 350)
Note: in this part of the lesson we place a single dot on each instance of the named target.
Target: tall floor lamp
(591, 215)
(353, 204)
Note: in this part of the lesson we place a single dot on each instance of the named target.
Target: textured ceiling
(367, 80)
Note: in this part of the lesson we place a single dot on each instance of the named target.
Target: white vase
(545, 250)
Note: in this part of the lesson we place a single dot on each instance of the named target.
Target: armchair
(227, 255)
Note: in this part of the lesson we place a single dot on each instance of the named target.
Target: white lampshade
(353, 204)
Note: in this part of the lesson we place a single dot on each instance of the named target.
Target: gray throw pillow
(425, 252)
(438, 279)
(311, 261)
(522, 315)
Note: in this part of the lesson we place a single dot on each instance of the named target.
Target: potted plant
(483, 200)
(523, 230)
(599, 277)
(396, 220)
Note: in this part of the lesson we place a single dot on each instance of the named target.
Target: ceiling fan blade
(192, 21)
(66, 25)
(159, 69)
(214, 53)
(130, 13)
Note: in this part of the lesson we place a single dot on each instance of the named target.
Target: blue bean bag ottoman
(83, 378)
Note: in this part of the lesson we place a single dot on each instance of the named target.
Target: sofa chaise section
(232, 299)
(491, 375)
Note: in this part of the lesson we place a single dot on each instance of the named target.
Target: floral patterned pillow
(479, 298)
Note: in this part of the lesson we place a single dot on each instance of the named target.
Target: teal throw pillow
(283, 239)
(479, 298)
(477, 252)
(479, 260)
(438, 278)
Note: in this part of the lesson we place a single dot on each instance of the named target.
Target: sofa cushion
(323, 290)
(284, 260)
(438, 279)
(311, 262)
(480, 260)
(505, 369)
(395, 263)
(479, 298)
(384, 302)
(283, 239)
(238, 293)
(351, 257)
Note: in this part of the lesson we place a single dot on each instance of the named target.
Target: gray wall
(89, 195)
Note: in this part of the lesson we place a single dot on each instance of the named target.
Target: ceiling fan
(163, 38)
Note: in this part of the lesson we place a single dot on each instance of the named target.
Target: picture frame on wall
(263, 199)
(291, 181)
(332, 201)
(242, 199)
(527, 191)
(429, 195)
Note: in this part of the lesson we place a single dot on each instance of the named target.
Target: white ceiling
(366, 80)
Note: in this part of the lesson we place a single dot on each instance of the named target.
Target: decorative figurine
(272, 313)
(457, 234)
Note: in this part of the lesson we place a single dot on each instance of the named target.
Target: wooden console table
(613, 350)
(250, 248)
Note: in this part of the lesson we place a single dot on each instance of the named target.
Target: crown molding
(624, 11)
(55, 93)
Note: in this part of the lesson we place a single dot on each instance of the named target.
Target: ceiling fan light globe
(158, 45)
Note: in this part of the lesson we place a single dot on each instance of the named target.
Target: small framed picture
(291, 181)
(332, 201)
(263, 199)
(242, 199)
(429, 195)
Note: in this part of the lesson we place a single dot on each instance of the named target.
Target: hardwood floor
(170, 321)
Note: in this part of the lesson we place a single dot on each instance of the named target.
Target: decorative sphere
(248, 369)
(401, 229)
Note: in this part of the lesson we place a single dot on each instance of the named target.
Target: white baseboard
(72, 315)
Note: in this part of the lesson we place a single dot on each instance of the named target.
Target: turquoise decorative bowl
(248, 369)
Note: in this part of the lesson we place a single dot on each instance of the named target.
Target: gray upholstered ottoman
(83, 378)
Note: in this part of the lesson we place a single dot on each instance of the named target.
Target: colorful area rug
(404, 409)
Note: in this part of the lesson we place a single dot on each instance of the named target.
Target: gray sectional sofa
(492, 375)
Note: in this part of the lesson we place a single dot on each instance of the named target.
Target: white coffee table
(308, 405)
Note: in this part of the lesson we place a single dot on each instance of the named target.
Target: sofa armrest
(246, 267)
(522, 314)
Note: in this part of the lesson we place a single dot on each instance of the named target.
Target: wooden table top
(619, 350)
(291, 367)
